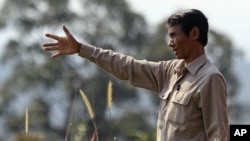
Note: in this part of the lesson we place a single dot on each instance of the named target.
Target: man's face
(179, 42)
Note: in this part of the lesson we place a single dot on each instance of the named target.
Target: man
(192, 91)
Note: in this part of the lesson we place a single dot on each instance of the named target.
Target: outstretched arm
(140, 73)
(64, 45)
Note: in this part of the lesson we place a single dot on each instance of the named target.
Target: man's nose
(171, 43)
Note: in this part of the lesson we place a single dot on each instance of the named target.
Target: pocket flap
(182, 98)
(165, 94)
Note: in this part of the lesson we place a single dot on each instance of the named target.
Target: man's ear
(194, 33)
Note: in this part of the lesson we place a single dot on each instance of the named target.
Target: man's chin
(178, 57)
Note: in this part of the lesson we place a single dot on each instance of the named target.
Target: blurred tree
(35, 77)
(222, 52)
(51, 87)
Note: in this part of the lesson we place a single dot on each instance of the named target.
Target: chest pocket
(182, 98)
(180, 108)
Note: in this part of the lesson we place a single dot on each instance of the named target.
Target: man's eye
(172, 35)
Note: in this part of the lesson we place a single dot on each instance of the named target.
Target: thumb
(66, 31)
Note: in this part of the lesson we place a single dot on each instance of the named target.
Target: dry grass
(88, 105)
(110, 95)
(90, 110)
(91, 113)
(26, 121)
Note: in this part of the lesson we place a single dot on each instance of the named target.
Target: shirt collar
(180, 66)
(196, 64)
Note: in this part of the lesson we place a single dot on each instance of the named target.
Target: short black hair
(189, 18)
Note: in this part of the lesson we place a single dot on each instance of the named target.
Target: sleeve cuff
(86, 50)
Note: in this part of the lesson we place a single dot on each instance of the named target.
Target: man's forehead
(174, 28)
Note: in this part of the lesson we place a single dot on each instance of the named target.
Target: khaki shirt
(192, 98)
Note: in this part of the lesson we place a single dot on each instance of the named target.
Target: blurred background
(50, 88)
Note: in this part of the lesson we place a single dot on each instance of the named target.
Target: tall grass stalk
(26, 121)
(110, 102)
(90, 110)
(110, 95)
(69, 124)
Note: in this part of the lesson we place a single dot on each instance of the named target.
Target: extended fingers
(50, 44)
(51, 48)
(53, 36)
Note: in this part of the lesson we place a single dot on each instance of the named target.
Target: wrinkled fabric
(192, 97)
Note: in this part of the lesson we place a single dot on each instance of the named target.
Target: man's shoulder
(210, 69)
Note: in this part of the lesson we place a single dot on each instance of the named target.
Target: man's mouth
(175, 51)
